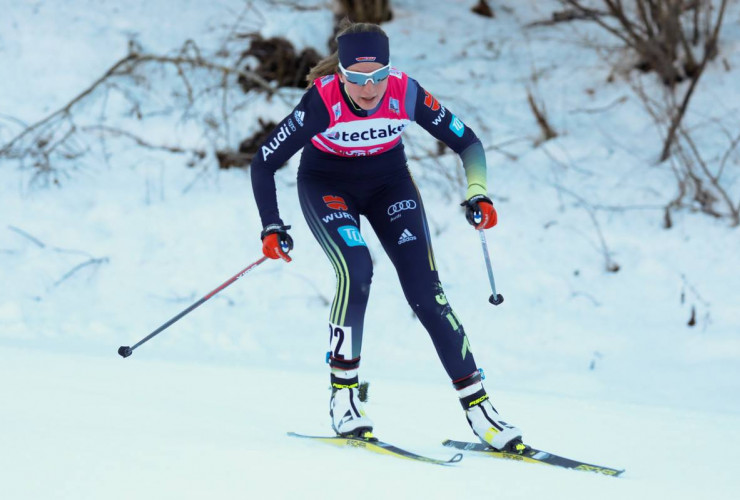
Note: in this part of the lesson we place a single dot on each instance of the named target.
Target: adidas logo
(299, 117)
(406, 236)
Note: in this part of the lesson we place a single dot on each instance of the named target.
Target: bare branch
(69, 273)
(566, 16)
(34, 240)
(594, 15)
(541, 117)
(713, 179)
(138, 140)
(609, 264)
(733, 145)
(708, 54)
(125, 66)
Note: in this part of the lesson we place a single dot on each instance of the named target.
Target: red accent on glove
(489, 217)
(271, 248)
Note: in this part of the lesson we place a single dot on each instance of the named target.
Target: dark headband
(369, 46)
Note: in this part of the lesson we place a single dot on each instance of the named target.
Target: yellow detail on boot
(441, 299)
(340, 386)
(478, 401)
(490, 433)
(520, 447)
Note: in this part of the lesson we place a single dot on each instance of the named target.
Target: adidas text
(406, 236)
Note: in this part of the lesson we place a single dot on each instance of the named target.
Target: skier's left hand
(479, 211)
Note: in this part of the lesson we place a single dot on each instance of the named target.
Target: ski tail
(371, 443)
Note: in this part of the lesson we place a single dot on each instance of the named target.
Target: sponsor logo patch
(335, 202)
(406, 236)
(394, 105)
(351, 236)
(338, 216)
(337, 109)
(457, 126)
(430, 101)
(299, 117)
(371, 134)
(400, 206)
(365, 59)
(440, 116)
(326, 80)
(271, 146)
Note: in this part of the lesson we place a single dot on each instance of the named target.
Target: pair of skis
(523, 454)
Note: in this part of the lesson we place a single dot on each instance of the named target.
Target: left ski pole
(495, 298)
(126, 351)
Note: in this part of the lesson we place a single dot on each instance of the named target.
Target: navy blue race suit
(335, 190)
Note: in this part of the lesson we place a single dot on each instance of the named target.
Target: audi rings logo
(400, 206)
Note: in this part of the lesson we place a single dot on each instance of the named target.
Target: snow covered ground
(594, 365)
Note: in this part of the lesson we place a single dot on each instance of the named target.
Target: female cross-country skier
(349, 124)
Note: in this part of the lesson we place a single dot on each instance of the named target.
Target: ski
(532, 455)
(373, 444)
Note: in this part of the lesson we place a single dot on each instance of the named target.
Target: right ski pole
(126, 351)
(496, 298)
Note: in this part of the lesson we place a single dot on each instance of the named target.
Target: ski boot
(348, 416)
(483, 417)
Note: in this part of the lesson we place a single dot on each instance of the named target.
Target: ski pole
(496, 298)
(126, 351)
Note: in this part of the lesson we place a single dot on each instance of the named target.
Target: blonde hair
(330, 64)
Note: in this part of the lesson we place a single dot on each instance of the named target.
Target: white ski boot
(345, 408)
(483, 417)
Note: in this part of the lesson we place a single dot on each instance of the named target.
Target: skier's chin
(367, 104)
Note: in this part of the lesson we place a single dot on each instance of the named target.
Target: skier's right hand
(276, 242)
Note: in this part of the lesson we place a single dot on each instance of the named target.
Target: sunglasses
(358, 78)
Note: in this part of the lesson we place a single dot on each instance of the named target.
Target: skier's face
(367, 96)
